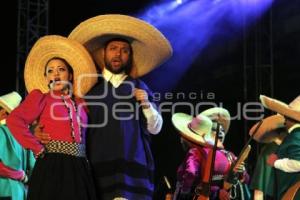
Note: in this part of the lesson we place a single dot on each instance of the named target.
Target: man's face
(288, 123)
(116, 56)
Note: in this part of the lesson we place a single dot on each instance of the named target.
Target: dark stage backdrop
(217, 70)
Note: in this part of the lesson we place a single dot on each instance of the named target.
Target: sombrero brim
(220, 115)
(280, 107)
(181, 121)
(48, 47)
(150, 47)
(267, 133)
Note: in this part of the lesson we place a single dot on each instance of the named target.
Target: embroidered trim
(70, 113)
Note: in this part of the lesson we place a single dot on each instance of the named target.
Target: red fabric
(51, 112)
(7, 172)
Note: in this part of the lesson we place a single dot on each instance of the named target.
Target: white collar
(115, 79)
(3, 121)
(293, 127)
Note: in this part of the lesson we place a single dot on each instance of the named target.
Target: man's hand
(224, 195)
(271, 159)
(142, 97)
(240, 168)
(44, 138)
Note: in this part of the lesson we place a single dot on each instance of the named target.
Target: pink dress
(191, 171)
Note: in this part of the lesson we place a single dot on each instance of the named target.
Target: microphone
(51, 84)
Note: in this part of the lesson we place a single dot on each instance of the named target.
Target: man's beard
(119, 70)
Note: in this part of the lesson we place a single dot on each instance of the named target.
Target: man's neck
(115, 79)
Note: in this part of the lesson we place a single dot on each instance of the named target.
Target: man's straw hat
(74, 53)
(292, 110)
(150, 47)
(268, 130)
(271, 126)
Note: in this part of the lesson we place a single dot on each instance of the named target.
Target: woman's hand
(43, 137)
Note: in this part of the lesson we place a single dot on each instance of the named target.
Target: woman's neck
(63, 92)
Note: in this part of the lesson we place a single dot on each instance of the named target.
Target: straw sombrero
(219, 115)
(10, 101)
(292, 110)
(191, 128)
(74, 53)
(268, 130)
(150, 47)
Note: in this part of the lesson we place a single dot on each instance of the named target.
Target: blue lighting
(191, 25)
(179, 1)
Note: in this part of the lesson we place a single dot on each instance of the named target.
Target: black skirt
(61, 177)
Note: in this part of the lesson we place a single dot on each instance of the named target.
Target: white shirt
(286, 164)
(154, 119)
(114, 79)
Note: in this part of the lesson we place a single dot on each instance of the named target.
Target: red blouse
(49, 109)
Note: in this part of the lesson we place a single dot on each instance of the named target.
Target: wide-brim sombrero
(181, 122)
(268, 130)
(220, 115)
(52, 46)
(292, 110)
(150, 47)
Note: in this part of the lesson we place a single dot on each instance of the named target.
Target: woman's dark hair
(70, 69)
(129, 65)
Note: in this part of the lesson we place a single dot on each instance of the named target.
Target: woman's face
(57, 74)
(3, 114)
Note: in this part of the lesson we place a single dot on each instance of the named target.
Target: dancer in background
(16, 163)
(271, 133)
(286, 160)
(191, 172)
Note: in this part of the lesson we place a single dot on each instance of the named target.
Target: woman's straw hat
(150, 47)
(191, 128)
(74, 53)
(292, 110)
(219, 115)
(10, 101)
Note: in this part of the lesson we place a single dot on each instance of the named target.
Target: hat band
(191, 129)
